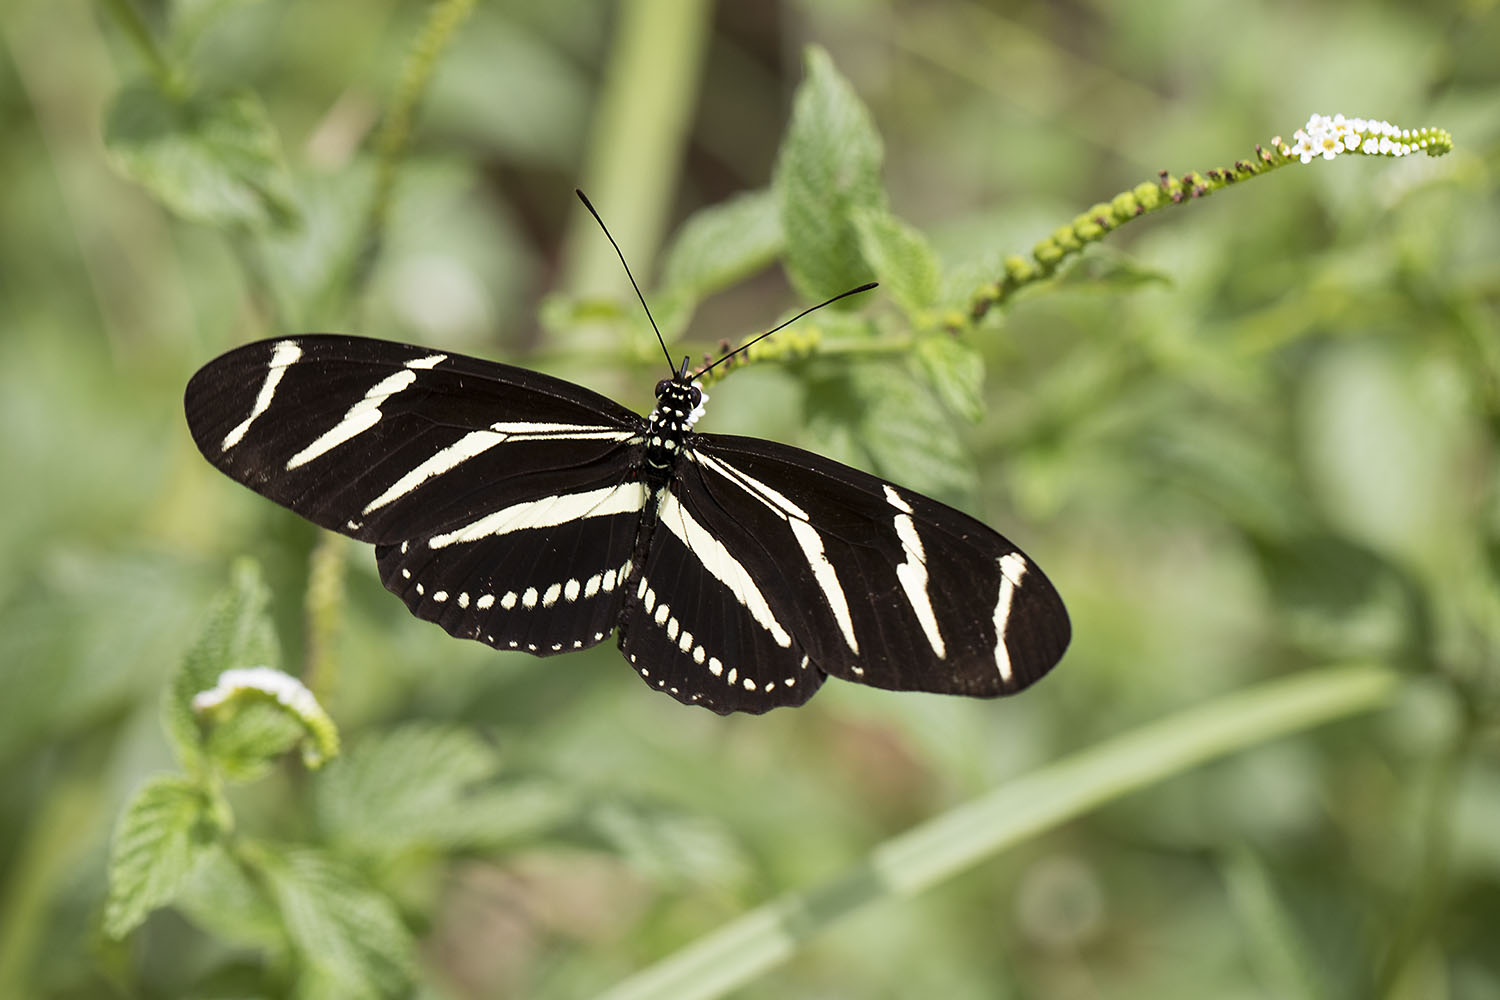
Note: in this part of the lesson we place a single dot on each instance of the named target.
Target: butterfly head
(678, 401)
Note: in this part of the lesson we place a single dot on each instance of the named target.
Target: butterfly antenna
(763, 336)
(592, 211)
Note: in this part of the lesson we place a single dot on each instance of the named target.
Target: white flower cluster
(1329, 136)
(286, 689)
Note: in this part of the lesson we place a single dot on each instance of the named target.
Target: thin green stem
(1430, 882)
(394, 136)
(130, 21)
(323, 608)
(60, 833)
(640, 128)
(957, 840)
(1099, 220)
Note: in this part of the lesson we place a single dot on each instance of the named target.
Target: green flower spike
(1323, 136)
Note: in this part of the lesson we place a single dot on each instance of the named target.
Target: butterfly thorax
(678, 406)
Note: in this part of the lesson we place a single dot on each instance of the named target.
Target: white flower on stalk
(286, 689)
(249, 683)
(1328, 136)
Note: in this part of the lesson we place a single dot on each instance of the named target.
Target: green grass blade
(961, 837)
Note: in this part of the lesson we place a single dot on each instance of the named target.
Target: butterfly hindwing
(544, 575)
(699, 625)
(894, 589)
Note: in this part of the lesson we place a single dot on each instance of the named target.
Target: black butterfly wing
(503, 502)
(370, 438)
(704, 624)
(871, 582)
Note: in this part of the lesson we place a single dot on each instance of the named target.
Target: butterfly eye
(696, 397)
(661, 387)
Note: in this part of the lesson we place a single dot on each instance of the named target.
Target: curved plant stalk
(962, 837)
(1323, 137)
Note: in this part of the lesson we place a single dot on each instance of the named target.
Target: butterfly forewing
(380, 440)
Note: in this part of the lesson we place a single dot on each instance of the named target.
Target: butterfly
(533, 514)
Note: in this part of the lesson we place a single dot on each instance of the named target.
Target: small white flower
(285, 688)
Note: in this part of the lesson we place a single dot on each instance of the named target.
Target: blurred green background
(1278, 455)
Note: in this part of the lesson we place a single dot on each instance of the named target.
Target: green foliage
(162, 835)
(875, 414)
(828, 169)
(426, 787)
(245, 745)
(1261, 445)
(215, 160)
(237, 634)
(722, 244)
(669, 847)
(955, 370)
(901, 259)
(348, 939)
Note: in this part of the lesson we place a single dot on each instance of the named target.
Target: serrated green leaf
(671, 848)
(247, 741)
(955, 370)
(160, 837)
(223, 899)
(904, 263)
(430, 787)
(215, 160)
(901, 428)
(1105, 268)
(238, 633)
(828, 167)
(349, 939)
(307, 266)
(722, 243)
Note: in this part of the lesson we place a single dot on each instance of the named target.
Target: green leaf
(245, 742)
(671, 848)
(161, 836)
(904, 263)
(722, 243)
(223, 898)
(955, 370)
(900, 427)
(1277, 946)
(828, 167)
(1104, 268)
(215, 160)
(238, 634)
(430, 787)
(349, 939)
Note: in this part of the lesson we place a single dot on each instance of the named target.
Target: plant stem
(130, 21)
(1430, 885)
(957, 840)
(323, 607)
(641, 125)
(394, 137)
